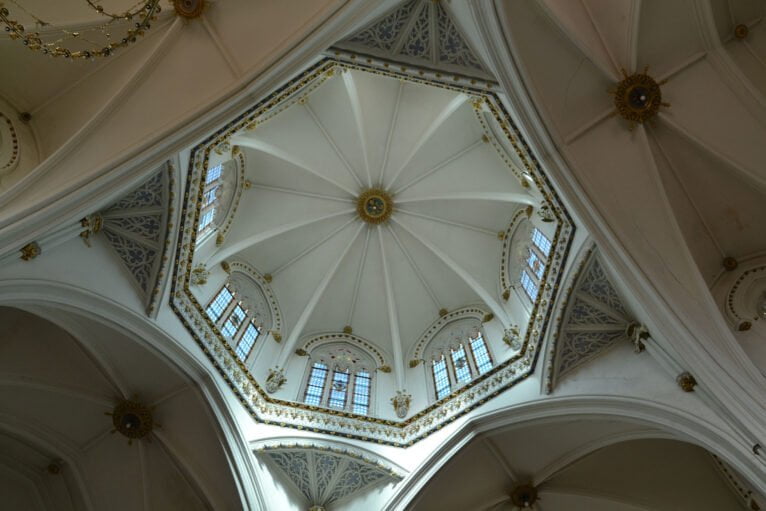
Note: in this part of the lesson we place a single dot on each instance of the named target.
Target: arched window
(218, 196)
(235, 319)
(458, 354)
(536, 258)
(213, 188)
(340, 378)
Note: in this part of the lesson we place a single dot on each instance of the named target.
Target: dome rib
(485, 296)
(270, 149)
(260, 237)
(356, 107)
(432, 127)
(297, 329)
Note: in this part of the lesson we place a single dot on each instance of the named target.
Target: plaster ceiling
(580, 465)
(57, 382)
(452, 194)
(686, 189)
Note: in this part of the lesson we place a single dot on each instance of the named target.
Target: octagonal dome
(377, 210)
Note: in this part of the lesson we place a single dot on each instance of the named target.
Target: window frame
(350, 401)
(534, 249)
(451, 372)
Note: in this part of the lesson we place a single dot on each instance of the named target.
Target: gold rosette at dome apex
(374, 206)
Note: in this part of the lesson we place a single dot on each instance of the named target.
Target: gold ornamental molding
(638, 97)
(132, 419)
(189, 9)
(374, 206)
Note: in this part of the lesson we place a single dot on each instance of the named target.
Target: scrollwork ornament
(401, 402)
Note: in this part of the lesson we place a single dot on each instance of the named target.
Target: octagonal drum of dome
(401, 246)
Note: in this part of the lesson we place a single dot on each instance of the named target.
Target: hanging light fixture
(97, 40)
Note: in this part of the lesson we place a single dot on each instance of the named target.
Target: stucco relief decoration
(451, 336)
(258, 401)
(421, 31)
(275, 380)
(253, 298)
(384, 34)
(343, 357)
(136, 227)
(401, 402)
(325, 474)
(594, 320)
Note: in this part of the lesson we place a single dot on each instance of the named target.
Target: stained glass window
(235, 320)
(338, 390)
(460, 363)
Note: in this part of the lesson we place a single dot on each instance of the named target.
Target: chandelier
(115, 30)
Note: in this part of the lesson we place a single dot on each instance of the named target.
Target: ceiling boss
(374, 206)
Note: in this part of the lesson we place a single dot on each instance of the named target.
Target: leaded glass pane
(460, 363)
(338, 390)
(219, 304)
(315, 387)
(528, 284)
(235, 320)
(541, 242)
(481, 355)
(441, 379)
(535, 264)
(361, 401)
(213, 174)
(247, 341)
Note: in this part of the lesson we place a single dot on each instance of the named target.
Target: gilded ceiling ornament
(225, 267)
(347, 329)
(219, 239)
(30, 251)
(301, 352)
(730, 264)
(524, 495)
(189, 8)
(443, 312)
(374, 206)
(132, 420)
(686, 381)
(98, 40)
(637, 98)
(54, 467)
(741, 31)
(384, 369)
(488, 317)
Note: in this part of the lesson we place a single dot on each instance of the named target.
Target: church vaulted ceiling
(377, 209)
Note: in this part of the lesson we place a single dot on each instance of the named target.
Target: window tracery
(535, 261)
(340, 378)
(458, 354)
(236, 318)
(217, 197)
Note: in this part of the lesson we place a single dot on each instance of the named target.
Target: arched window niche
(340, 376)
(526, 251)
(221, 190)
(244, 311)
(454, 353)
